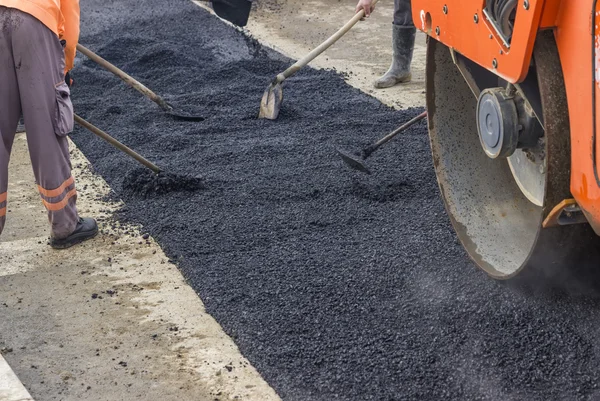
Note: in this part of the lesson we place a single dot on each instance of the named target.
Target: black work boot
(86, 228)
(403, 41)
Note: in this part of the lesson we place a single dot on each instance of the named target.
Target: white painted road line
(11, 388)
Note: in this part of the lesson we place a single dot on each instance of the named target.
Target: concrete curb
(11, 388)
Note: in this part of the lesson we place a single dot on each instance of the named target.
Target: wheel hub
(500, 228)
(508, 129)
(497, 123)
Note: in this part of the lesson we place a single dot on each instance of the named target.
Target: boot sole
(74, 240)
(396, 82)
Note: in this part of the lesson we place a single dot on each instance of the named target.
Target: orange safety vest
(60, 16)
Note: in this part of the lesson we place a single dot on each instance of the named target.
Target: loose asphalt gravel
(335, 285)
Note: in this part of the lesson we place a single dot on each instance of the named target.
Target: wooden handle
(97, 131)
(322, 47)
(126, 78)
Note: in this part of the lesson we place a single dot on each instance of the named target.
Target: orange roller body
(504, 43)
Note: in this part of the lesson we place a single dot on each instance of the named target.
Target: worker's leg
(48, 114)
(10, 105)
(403, 41)
(403, 14)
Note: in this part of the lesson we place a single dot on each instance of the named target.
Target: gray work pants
(32, 83)
(403, 13)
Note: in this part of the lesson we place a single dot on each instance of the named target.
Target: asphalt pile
(146, 183)
(335, 285)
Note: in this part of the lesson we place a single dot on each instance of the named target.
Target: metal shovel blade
(354, 162)
(271, 102)
(184, 116)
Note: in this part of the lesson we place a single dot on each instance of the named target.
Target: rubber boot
(403, 41)
(86, 229)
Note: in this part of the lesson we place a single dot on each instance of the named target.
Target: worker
(37, 50)
(403, 42)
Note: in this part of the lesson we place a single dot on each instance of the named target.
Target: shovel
(97, 131)
(273, 96)
(167, 108)
(357, 161)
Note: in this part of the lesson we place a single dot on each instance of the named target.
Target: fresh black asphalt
(335, 285)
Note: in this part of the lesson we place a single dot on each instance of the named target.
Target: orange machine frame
(463, 26)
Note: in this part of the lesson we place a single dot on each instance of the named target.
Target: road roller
(512, 89)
